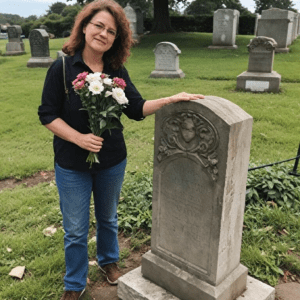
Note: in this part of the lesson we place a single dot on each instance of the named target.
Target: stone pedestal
(167, 61)
(15, 45)
(260, 76)
(201, 156)
(259, 82)
(225, 29)
(134, 286)
(39, 45)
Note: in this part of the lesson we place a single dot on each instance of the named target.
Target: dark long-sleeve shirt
(55, 104)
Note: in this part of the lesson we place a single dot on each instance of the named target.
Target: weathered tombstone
(295, 25)
(225, 29)
(258, 16)
(139, 21)
(277, 24)
(260, 76)
(131, 16)
(15, 45)
(167, 61)
(201, 156)
(39, 45)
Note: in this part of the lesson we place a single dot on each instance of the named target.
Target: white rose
(119, 95)
(108, 93)
(96, 87)
(93, 77)
(107, 81)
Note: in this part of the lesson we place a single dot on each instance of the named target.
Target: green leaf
(102, 124)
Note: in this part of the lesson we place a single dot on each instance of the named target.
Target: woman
(100, 42)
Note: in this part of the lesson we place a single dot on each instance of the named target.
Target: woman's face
(100, 32)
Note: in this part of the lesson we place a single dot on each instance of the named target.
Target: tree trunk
(161, 23)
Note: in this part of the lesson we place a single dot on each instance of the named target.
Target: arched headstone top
(39, 43)
(130, 13)
(228, 11)
(166, 47)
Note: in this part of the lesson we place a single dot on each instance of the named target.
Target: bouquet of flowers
(104, 99)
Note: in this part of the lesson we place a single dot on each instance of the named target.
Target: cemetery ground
(270, 248)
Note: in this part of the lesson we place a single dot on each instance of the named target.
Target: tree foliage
(11, 19)
(261, 5)
(56, 8)
(200, 7)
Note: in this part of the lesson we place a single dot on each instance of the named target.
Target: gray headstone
(15, 45)
(260, 76)
(139, 20)
(131, 16)
(39, 45)
(201, 156)
(277, 24)
(298, 32)
(167, 61)
(225, 29)
(258, 16)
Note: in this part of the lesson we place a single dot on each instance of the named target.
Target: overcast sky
(25, 8)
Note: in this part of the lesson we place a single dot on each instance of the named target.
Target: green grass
(26, 147)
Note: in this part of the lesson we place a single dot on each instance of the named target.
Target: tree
(199, 7)
(261, 5)
(56, 8)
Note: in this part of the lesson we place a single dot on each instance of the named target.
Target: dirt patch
(101, 289)
(42, 176)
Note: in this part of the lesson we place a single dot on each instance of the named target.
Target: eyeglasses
(100, 28)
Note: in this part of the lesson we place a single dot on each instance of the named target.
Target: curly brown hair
(120, 50)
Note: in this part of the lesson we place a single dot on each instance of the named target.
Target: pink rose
(103, 76)
(119, 82)
(79, 84)
(82, 75)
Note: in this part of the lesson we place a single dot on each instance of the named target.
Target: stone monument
(201, 156)
(257, 17)
(15, 45)
(277, 24)
(39, 45)
(225, 29)
(260, 76)
(167, 61)
(139, 21)
(131, 16)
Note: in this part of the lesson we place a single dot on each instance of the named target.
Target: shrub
(274, 184)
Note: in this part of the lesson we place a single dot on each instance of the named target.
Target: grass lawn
(26, 148)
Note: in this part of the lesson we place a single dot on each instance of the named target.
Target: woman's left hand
(185, 97)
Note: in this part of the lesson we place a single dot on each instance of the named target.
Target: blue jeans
(75, 189)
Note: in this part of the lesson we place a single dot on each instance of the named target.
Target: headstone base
(40, 62)
(282, 50)
(167, 74)
(134, 286)
(259, 82)
(234, 47)
(186, 286)
(14, 48)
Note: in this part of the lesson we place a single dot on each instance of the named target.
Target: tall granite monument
(225, 29)
(277, 24)
(201, 156)
(39, 45)
(260, 76)
(15, 45)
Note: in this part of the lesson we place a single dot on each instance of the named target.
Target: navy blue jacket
(56, 105)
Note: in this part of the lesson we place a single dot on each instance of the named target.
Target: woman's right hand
(90, 142)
